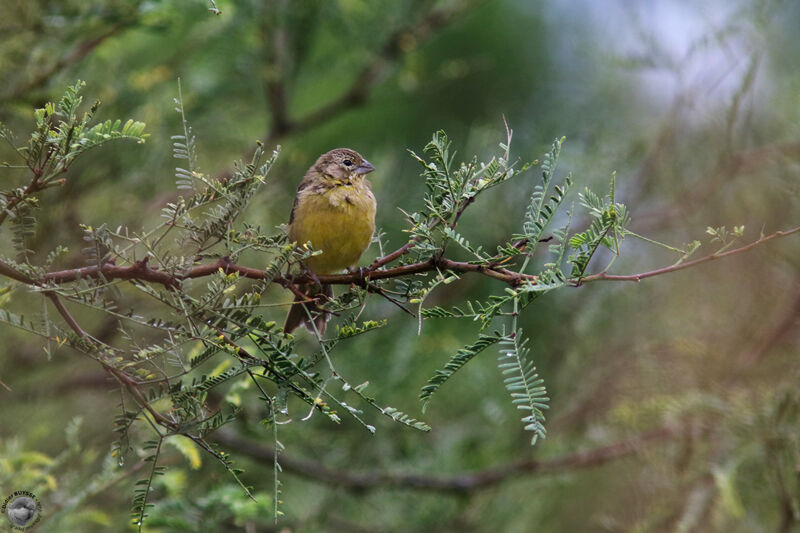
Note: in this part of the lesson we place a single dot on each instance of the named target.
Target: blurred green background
(681, 391)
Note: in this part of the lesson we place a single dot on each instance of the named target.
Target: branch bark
(603, 276)
(374, 72)
(727, 169)
(276, 47)
(143, 272)
(369, 77)
(78, 53)
(460, 482)
(129, 383)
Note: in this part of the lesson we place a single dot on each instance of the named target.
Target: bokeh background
(675, 401)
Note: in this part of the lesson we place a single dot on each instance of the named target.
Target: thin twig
(381, 261)
(603, 276)
(33, 187)
(129, 383)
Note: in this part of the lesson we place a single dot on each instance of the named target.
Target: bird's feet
(308, 273)
(362, 273)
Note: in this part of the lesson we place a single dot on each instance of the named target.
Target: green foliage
(455, 364)
(606, 229)
(61, 134)
(68, 481)
(540, 213)
(451, 189)
(523, 383)
(145, 486)
(214, 510)
(208, 340)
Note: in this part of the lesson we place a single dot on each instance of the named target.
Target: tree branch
(760, 345)
(602, 276)
(727, 169)
(78, 53)
(11, 272)
(141, 271)
(276, 47)
(454, 483)
(371, 74)
(129, 383)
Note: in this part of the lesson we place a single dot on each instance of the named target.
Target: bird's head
(342, 164)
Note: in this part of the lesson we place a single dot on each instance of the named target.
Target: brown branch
(141, 271)
(129, 383)
(11, 272)
(78, 53)
(133, 387)
(388, 258)
(370, 76)
(726, 170)
(71, 322)
(454, 483)
(276, 47)
(602, 276)
(754, 351)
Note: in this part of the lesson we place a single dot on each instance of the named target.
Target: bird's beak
(365, 167)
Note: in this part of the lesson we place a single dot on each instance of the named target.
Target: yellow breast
(338, 221)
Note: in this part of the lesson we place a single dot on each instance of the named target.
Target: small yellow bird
(334, 210)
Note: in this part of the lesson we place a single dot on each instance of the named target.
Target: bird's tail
(301, 310)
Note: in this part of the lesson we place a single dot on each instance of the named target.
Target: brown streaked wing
(303, 185)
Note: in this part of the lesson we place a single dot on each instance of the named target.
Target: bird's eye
(347, 163)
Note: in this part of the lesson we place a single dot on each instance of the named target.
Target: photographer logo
(23, 510)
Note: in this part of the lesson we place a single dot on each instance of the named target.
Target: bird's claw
(362, 273)
(310, 274)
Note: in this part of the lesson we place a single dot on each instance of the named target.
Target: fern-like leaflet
(461, 358)
(541, 210)
(606, 229)
(523, 383)
(145, 486)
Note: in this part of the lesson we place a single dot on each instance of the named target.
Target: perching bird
(334, 210)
